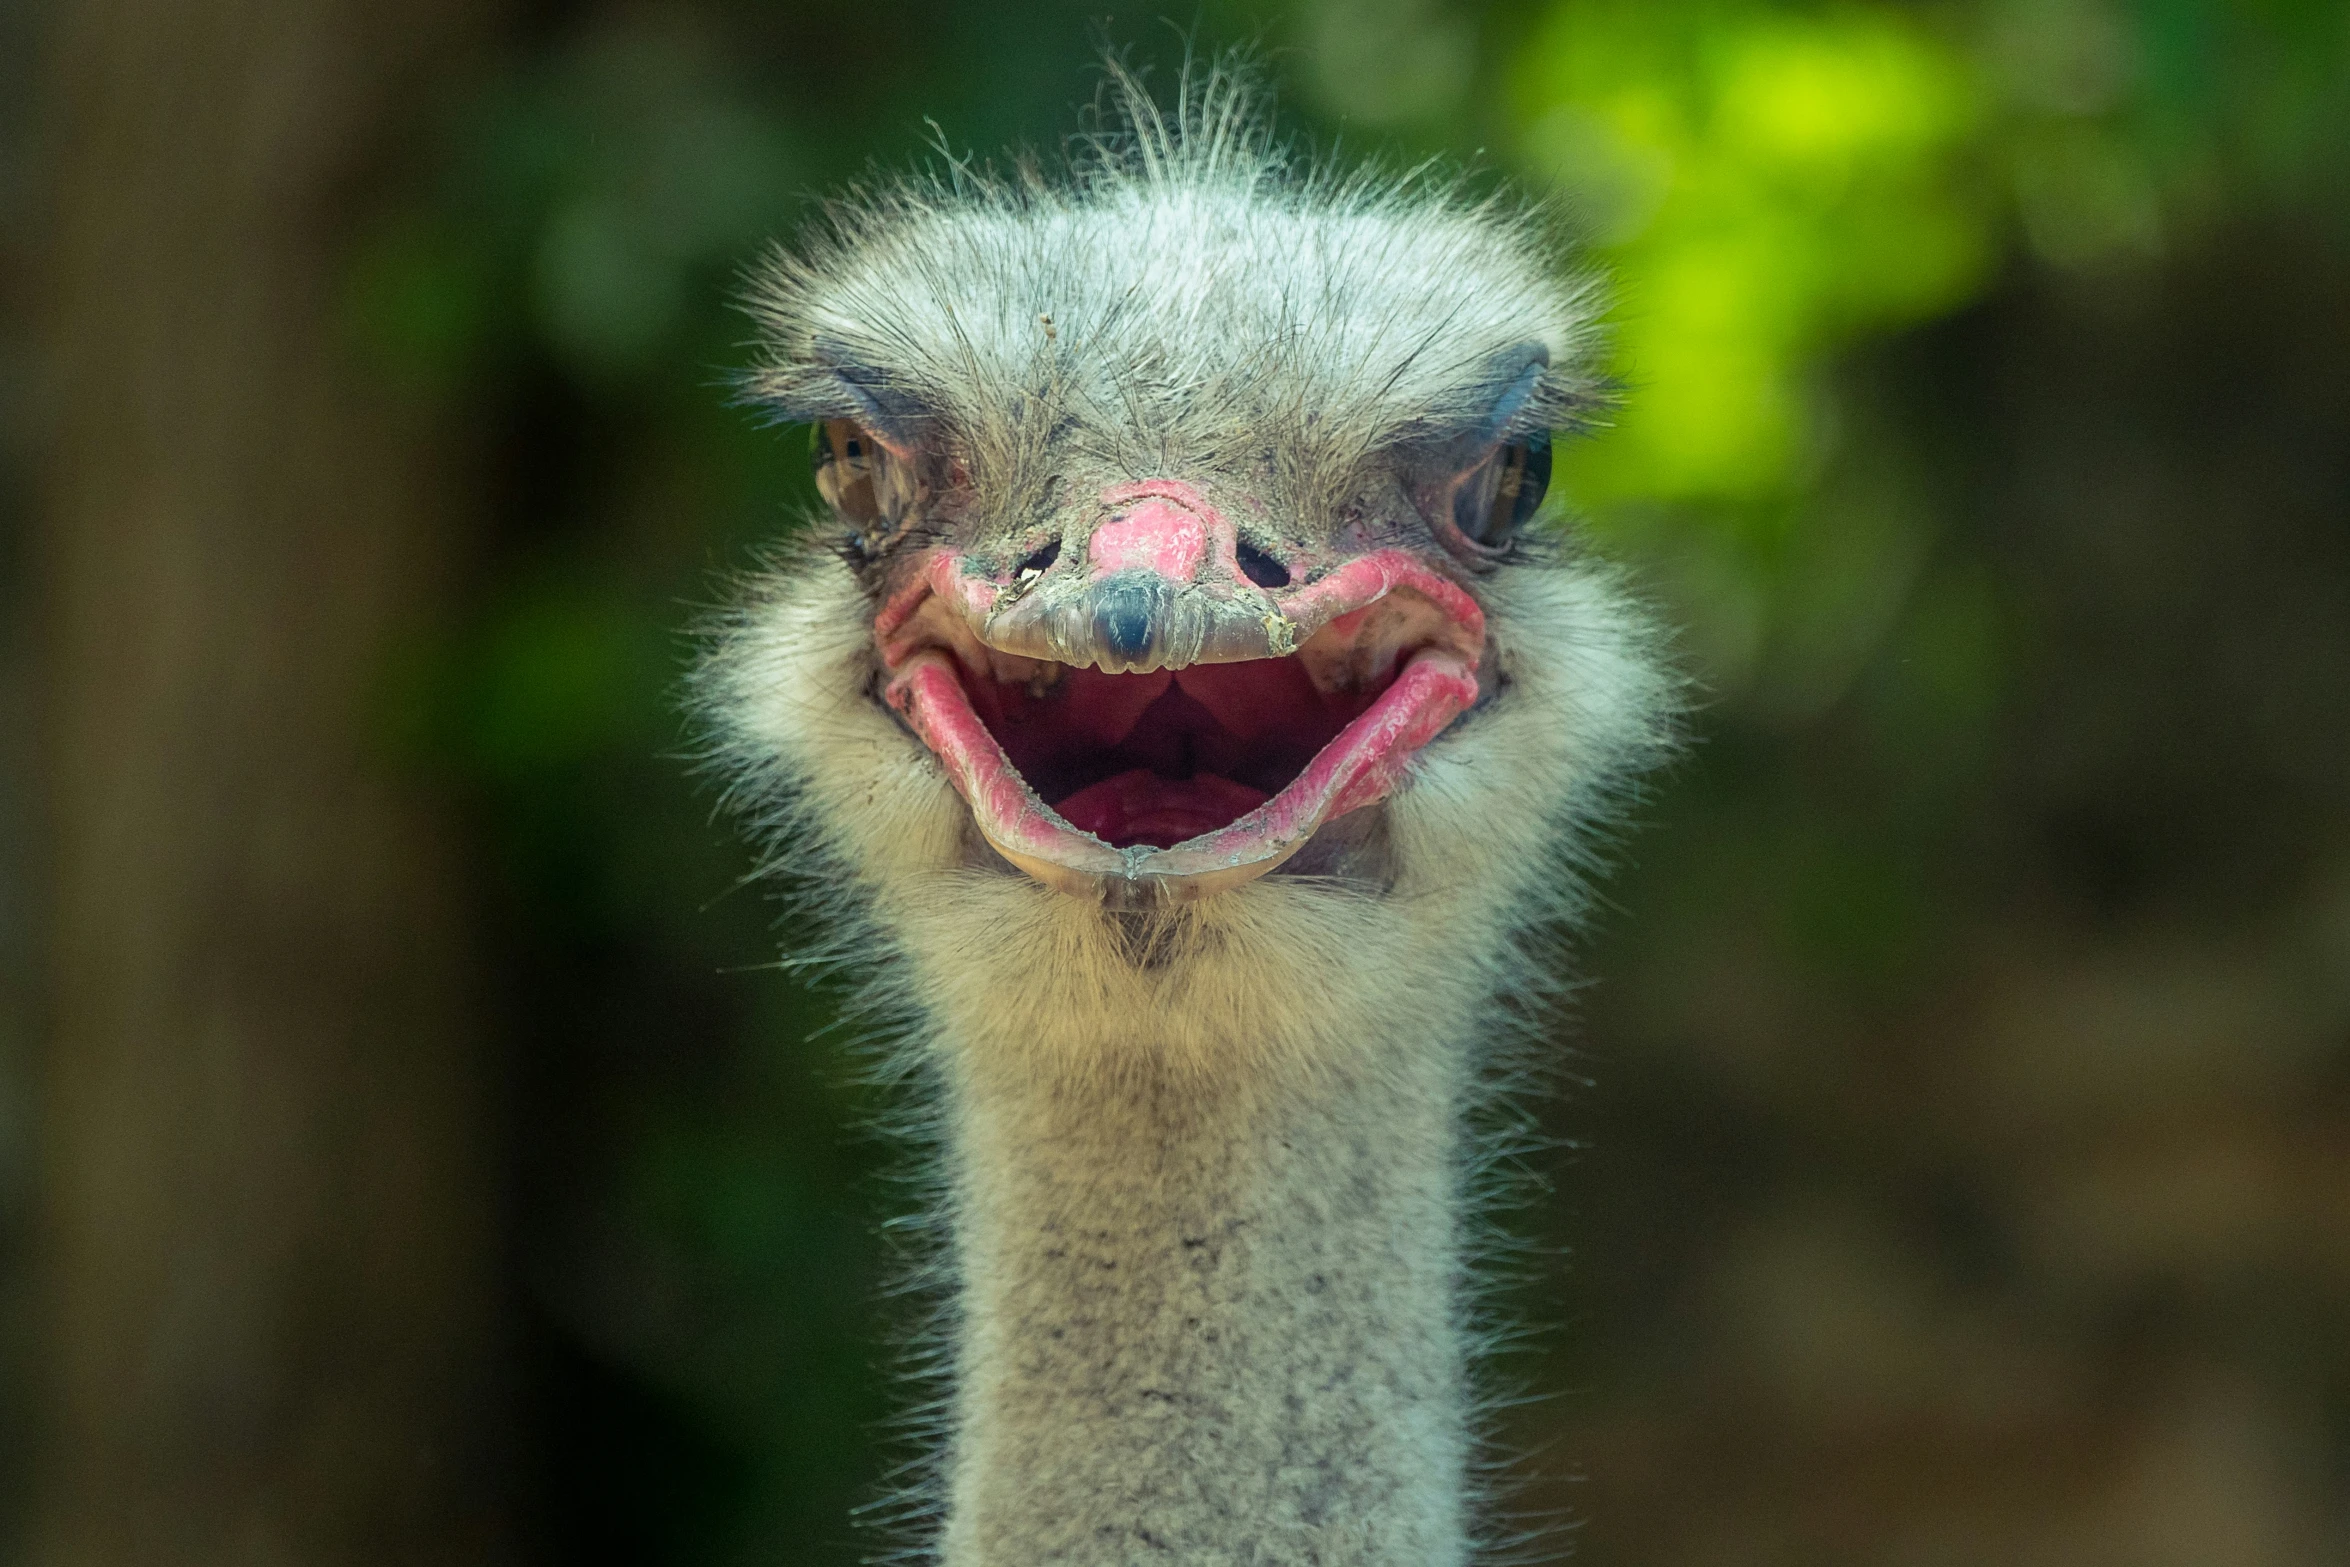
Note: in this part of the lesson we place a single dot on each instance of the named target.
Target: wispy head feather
(1185, 288)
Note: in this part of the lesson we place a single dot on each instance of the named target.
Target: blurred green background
(411, 1149)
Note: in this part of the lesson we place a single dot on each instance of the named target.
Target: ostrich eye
(876, 488)
(845, 471)
(1502, 493)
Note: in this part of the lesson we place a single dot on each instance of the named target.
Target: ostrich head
(1184, 497)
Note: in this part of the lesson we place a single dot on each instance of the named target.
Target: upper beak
(1159, 586)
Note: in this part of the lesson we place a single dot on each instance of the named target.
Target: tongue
(1142, 807)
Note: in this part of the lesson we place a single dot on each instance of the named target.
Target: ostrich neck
(1207, 1316)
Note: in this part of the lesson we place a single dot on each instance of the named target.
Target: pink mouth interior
(1158, 759)
(1192, 780)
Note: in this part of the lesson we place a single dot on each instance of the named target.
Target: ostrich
(1179, 722)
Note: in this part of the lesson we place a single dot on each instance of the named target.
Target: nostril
(1042, 560)
(1261, 568)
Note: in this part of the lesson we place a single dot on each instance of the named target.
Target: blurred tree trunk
(267, 1181)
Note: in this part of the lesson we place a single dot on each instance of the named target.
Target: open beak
(1148, 725)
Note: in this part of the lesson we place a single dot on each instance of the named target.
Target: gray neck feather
(1208, 1321)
